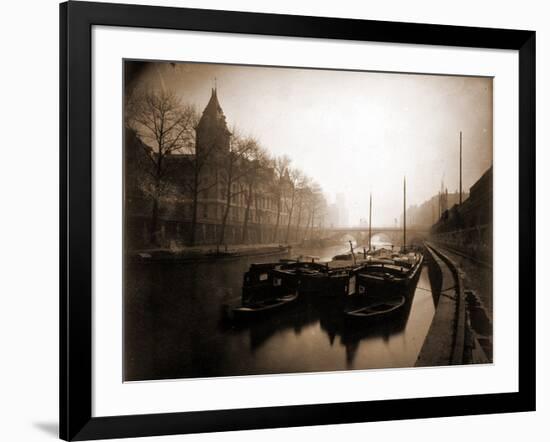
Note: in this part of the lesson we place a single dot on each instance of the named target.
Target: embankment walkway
(445, 342)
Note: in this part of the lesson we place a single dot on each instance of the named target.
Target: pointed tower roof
(213, 116)
(213, 105)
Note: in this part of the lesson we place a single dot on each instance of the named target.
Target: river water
(174, 326)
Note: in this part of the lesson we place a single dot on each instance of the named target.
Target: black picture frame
(76, 21)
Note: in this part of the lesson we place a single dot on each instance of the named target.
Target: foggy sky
(352, 132)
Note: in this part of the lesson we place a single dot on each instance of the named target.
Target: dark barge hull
(324, 284)
(377, 282)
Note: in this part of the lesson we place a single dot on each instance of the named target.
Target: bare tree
(280, 167)
(309, 212)
(301, 196)
(165, 127)
(321, 213)
(236, 167)
(296, 180)
(314, 201)
(204, 176)
(256, 172)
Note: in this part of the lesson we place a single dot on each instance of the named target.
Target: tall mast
(404, 213)
(460, 190)
(370, 220)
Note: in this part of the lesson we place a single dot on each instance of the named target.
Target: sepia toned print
(285, 220)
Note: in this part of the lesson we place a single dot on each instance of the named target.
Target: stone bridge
(393, 235)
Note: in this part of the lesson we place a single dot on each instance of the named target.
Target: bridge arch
(382, 238)
(393, 234)
(357, 237)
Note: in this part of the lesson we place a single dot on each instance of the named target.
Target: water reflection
(175, 327)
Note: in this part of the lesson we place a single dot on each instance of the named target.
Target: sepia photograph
(282, 220)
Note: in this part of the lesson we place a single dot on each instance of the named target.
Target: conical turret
(212, 132)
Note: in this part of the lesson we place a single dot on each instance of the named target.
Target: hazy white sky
(353, 132)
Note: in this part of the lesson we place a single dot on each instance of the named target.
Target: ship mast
(404, 214)
(460, 171)
(370, 221)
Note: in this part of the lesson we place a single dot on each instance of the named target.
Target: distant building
(333, 215)
(343, 212)
(425, 214)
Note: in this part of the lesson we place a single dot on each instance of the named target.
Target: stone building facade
(468, 227)
(212, 149)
